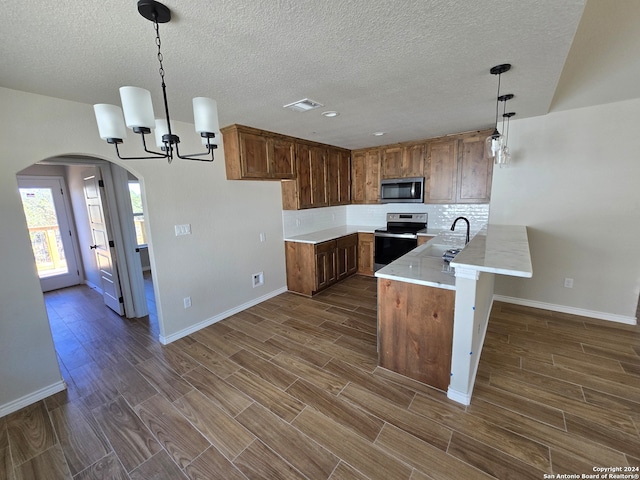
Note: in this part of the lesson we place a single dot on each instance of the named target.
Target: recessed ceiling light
(330, 114)
(303, 105)
(378, 134)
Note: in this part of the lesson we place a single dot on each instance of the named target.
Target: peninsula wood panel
(415, 331)
(300, 258)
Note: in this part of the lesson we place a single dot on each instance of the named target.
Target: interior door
(50, 231)
(103, 248)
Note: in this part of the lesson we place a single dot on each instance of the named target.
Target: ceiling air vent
(303, 105)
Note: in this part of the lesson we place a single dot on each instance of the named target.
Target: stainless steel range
(400, 237)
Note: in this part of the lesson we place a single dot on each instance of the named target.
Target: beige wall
(213, 265)
(575, 181)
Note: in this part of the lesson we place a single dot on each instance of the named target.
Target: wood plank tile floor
(290, 389)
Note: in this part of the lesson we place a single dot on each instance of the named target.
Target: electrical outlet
(568, 283)
(263, 237)
(257, 279)
(297, 222)
(187, 302)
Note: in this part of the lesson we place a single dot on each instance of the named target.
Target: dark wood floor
(289, 389)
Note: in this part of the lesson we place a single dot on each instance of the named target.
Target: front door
(50, 231)
(102, 247)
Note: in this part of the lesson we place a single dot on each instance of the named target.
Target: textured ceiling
(411, 68)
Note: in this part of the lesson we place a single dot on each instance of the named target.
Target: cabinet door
(413, 158)
(254, 156)
(282, 163)
(325, 264)
(338, 177)
(441, 172)
(391, 165)
(303, 162)
(365, 253)
(372, 174)
(318, 159)
(346, 255)
(474, 171)
(358, 177)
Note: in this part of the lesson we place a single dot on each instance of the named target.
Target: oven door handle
(396, 235)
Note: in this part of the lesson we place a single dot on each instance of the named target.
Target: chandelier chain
(159, 44)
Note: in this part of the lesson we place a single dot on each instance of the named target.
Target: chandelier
(138, 109)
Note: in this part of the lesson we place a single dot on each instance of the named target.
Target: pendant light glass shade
(205, 115)
(161, 128)
(493, 144)
(137, 107)
(110, 122)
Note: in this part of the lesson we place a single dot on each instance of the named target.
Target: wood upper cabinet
(441, 172)
(365, 176)
(403, 161)
(475, 172)
(309, 189)
(365, 253)
(457, 171)
(254, 154)
(339, 176)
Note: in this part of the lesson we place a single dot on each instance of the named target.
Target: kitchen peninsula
(431, 324)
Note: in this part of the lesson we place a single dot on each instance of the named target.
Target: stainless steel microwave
(402, 190)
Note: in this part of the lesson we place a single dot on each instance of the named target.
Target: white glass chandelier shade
(110, 121)
(161, 128)
(205, 115)
(137, 107)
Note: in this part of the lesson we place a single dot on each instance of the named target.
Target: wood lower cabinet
(252, 154)
(314, 267)
(415, 331)
(365, 253)
(346, 256)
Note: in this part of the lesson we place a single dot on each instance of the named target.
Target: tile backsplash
(299, 222)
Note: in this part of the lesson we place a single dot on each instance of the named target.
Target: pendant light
(503, 156)
(138, 109)
(495, 141)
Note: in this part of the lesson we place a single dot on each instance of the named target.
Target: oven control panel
(407, 217)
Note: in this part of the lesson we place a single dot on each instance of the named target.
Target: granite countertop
(502, 249)
(331, 233)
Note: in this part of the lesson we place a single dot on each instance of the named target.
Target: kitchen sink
(436, 250)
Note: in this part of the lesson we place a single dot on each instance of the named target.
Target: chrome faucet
(453, 227)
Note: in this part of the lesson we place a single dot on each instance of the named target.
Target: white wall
(213, 265)
(575, 181)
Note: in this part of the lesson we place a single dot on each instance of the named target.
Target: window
(138, 212)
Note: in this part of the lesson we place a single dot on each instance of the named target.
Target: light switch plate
(184, 229)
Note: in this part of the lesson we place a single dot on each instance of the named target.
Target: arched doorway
(105, 236)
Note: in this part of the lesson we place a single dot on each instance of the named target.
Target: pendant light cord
(497, 100)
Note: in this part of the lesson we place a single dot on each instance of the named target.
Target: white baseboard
(31, 398)
(210, 321)
(93, 286)
(463, 398)
(612, 317)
